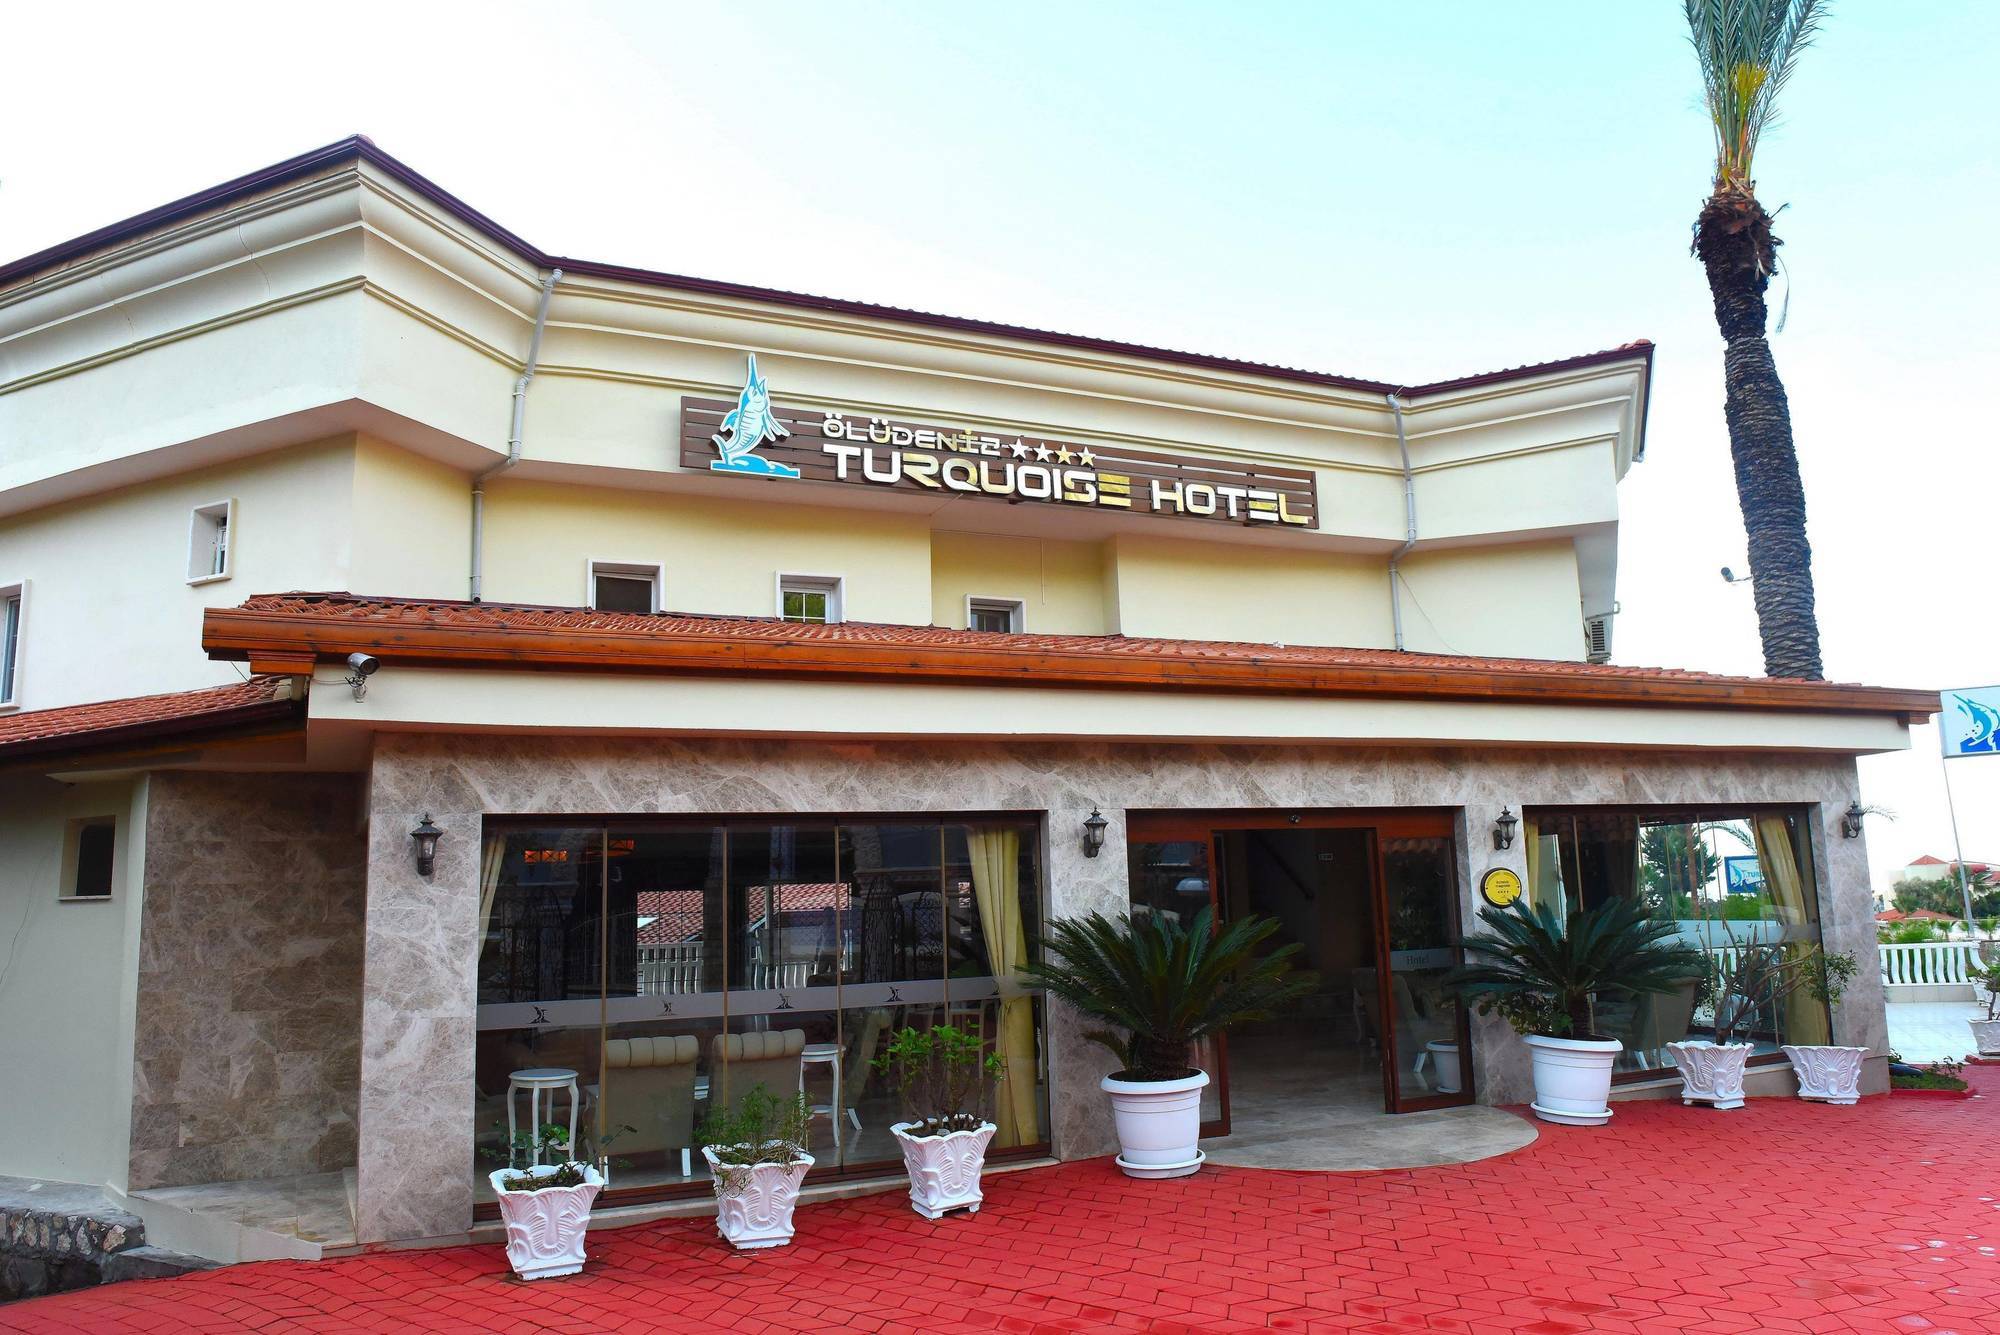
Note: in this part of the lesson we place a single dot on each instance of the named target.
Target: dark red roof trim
(147, 718)
(360, 147)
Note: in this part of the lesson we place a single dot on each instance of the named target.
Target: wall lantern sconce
(1093, 833)
(1850, 821)
(426, 835)
(1503, 829)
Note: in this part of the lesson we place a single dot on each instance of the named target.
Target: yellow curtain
(1804, 1017)
(491, 855)
(996, 885)
(1531, 844)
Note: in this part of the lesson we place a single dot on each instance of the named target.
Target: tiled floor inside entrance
(1783, 1216)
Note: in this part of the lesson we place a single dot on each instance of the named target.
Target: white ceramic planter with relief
(545, 1228)
(1986, 1037)
(1827, 1073)
(1573, 1078)
(753, 1203)
(1159, 1123)
(1711, 1073)
(944, 1170)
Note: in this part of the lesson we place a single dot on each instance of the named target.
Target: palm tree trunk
(1733, 238)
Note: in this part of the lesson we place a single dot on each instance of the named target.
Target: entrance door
(1372, 899)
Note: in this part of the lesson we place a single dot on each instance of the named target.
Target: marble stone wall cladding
(420, 988)
(247, 1025)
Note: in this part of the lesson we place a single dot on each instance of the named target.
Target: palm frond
(1747, 50)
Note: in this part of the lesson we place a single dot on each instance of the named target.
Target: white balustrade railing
(1929, 962)
(675, 970)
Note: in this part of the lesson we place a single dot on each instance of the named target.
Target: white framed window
(13, 613)
(90, 848)
(621, 586)
(210, 529)
(1005, 615)
(812, 598)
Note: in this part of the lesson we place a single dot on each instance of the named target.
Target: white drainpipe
(516, 425)
(1409, 518)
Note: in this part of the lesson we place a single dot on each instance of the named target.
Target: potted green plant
(1827, 1072)
(942, 1076)
(757, 1157)
(546, 1207)
(1155, 987)
(1742, 981)
(1542, 973)
(1986, 1032)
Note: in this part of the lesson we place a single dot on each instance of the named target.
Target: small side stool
(827, 1054)
(536, 1081)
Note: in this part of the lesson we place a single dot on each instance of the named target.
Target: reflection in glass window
(1731, 881)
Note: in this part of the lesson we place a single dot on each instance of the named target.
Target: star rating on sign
(1043, 454)
(1064, 455)
(1086, 458)
(1020, 450)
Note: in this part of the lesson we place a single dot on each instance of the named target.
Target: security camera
(360, 667)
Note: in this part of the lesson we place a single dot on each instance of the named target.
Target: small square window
(619, 587)
(88, 861)
(1002, 615)
(810, 598)
(209, 532)
(10, 643)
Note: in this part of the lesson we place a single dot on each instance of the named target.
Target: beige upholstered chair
(649, 1086)
(1663, 1018)
(744, 1061)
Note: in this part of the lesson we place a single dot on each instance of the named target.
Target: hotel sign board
(777, 441)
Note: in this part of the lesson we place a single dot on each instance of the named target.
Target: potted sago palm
(1827, 1072)
(545, 1208)
(942, 1076)
(1986, 1033)
(757, 1157)
(1542, 972)
(1156, 987)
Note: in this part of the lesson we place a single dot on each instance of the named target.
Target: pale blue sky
(1398, 191)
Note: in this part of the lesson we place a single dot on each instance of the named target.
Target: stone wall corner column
(1847, 923)
(419, 1006)
(1080, 1124)
(1502, 1072)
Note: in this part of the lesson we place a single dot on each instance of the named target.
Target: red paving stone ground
(1784, 1216)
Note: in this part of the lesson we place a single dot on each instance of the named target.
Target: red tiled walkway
(1784, 1216)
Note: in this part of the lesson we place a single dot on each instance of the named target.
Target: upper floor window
(994, 614)
(620, 587)
(209, 532)
(813, 598)
(12, 598)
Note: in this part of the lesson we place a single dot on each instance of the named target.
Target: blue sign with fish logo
(750, 424)
(1970, 723)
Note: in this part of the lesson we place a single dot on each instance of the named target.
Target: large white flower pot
(545, 1228)
(944, 1170)
(1829, 1074)
(1986, 1037)
(1159, 1122)
(1573, 1078)
(1444, 1062)
(753, 1205)
(1711, 1073)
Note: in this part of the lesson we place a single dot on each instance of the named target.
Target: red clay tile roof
(290, 631)
(104, 722)
(671, 917)
(361, 148)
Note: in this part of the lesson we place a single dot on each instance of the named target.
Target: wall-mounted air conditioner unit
(1597, 637)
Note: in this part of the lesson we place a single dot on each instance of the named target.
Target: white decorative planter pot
(1986, 1037)
(1830, 1074)
(1711, 1073)
(944, 1170)
(545, 1228)
(1573, 1078)
(1159, 1122)
(753, 1205)
(1444, 1063)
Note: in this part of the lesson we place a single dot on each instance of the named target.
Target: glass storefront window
(672, 966)
(1731, 881)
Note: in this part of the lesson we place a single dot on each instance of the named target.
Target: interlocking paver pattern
(1781, 1217)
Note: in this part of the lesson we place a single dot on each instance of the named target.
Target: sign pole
(1957, 847)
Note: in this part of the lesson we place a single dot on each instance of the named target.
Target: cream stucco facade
(337, 351)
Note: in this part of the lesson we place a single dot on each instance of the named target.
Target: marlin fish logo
(1983, 737)
(749, 424)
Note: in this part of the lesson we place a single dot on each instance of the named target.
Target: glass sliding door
(1430, 1056)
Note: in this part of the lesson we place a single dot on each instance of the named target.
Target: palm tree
(1747, 49)
(1160, 986)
